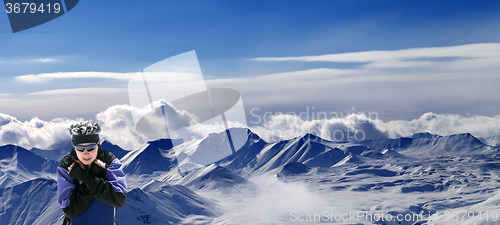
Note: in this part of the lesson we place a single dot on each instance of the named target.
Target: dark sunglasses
(89, 148)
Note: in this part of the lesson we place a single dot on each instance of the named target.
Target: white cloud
(401, 83)
(118, 127)
(45, 60)
(82, 91)
(47, 107)
(404, 83)
(483, 50)
(359, 126)
(33, 133)
(65, 75)
(399, 64)
(445, 124)
(38, 60)
(454, 58)
(351, 127)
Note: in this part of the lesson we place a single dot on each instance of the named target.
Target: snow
(212, 176)
(194, 154)
(493, 140)
(115, 149)
(293, 168)
(18, 165)
(150, 158)
(168, 204)
(55, 151)
(275, 183)
(31, 202)
(35, 202)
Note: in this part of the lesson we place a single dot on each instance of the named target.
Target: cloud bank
(398, 84)
(118, 127)
(359, 126)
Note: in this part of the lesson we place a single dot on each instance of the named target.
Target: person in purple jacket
(90, 182)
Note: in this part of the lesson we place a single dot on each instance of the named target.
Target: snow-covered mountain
(152, 156)
(432, 173)
(18, 165)
(493, 140)
(257, 156)
(31, 202)
(115, 149)
(168, 204)
(58, 150)
(185, 155)
(35, 202)
(457, 144)
(194, 154)
(293, 168)
(55, 151)
(424, 135)
(212, 176)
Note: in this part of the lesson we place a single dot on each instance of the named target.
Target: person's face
(86, 157)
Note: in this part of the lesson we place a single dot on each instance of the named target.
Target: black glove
(96, 170)
(80, 174)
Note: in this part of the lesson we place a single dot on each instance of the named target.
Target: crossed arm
(109, 187)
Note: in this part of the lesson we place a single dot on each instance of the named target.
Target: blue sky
(127, 36)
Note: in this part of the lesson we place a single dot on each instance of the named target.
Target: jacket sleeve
(72, 198)
(112, 189)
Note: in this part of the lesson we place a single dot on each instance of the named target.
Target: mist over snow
(270, 202)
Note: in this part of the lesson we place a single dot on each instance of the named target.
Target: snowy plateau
(422, 179)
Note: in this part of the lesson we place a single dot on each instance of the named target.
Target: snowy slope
(424, 135)
(55, 151)
(54, 155)
(32, 202)
(115, 149)
(18, 165)
(247, 155)
(257, 156)
(151, 157)
(35, 202)
(194, 154)
(431, 173)
(168, 204)
(457, 144)
(292, 169)
(58, 150)
(212, 176)
(493, 140)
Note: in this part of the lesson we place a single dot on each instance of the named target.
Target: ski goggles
(89, 148)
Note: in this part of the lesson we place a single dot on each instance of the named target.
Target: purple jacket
(84, 204)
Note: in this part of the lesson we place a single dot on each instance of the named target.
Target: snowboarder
(90, 182)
